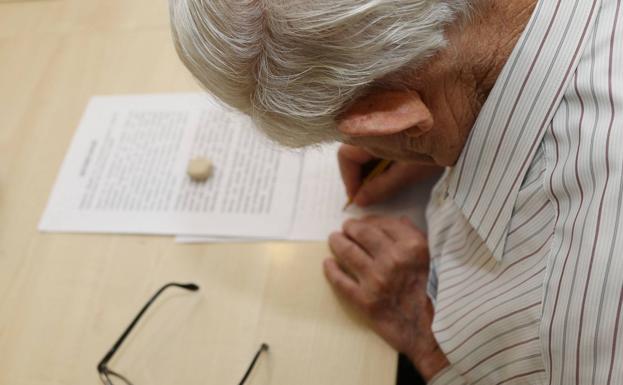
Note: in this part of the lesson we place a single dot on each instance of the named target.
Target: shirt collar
(486, 179)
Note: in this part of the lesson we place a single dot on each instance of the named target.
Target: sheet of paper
(191, 239)
(125, 172)
(321, 198)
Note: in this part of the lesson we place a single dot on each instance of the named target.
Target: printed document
(125, 172)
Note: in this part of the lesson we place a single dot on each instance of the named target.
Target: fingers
(383, 186)
(404, 245)
(351, 159)
(374, 257)
(349, 255)
(369, 237)
(396, 229)
(343, 283)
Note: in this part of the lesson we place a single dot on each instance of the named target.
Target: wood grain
(65, 298)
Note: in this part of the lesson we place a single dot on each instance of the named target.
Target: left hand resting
(381, 267)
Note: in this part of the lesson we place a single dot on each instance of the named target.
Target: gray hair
(295, 65)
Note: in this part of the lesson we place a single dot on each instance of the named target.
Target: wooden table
(65, 298)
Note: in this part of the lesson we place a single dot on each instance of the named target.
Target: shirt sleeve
(448, 376)
(582, 317)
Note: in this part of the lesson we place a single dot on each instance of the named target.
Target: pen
(378, 169)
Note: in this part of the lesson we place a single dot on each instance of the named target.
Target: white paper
(321, 199)
(125, 172)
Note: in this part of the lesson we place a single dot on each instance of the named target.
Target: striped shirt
(525, 230)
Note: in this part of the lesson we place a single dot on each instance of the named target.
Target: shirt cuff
(447, 376)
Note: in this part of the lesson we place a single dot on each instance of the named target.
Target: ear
(385, 112)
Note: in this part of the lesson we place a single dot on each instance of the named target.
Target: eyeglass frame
(105, 372)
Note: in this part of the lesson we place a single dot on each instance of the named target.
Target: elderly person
(520, 278)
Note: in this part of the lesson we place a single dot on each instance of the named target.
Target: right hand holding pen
(400, 174)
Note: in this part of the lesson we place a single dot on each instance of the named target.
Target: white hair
(295, 65)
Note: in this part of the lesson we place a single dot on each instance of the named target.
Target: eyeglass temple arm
(102, 364)
(263, 348)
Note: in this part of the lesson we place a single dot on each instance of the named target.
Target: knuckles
(398, 262)
(356, 229)
(372, 305)
(348, 224)
(411, 249)
(368, 306)
(405, 255)
(336, 243)
(350, 252)
(379, 283)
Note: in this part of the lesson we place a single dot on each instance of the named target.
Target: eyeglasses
(107, 375)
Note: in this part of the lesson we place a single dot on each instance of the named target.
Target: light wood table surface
(64, 298)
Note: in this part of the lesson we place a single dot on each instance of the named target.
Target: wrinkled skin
(381, 266)
(381, 263)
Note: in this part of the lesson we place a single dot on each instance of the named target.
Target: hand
(351, 160)
(381, 267)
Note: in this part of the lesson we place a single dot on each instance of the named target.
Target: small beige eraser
(199, 169)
